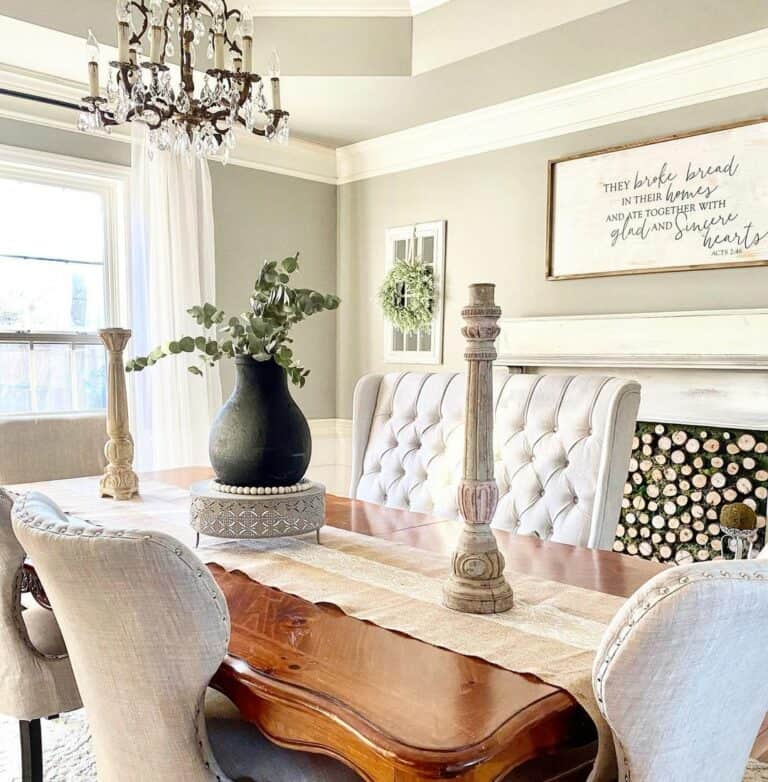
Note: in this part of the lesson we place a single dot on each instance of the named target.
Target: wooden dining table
(395, 708)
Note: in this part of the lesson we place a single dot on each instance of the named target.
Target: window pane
(15, 394)
(72, 220)
(427, 250)
(425, 340)
(53, 377)
(397, 339)
(50, 296)
(90, 377)
(411, 341)
(401, 250)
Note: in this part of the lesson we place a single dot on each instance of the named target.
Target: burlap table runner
(552, 631)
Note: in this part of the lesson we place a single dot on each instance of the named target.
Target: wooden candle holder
(119, 481)
(477, 584)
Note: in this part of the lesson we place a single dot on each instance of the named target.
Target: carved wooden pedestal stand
(119, 480)
(477, 584)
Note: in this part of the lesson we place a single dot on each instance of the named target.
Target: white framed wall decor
(422, 243)
(689, 201)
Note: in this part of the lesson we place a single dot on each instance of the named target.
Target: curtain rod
(40, 99)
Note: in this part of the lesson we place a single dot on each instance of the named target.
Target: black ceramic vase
(260, 437)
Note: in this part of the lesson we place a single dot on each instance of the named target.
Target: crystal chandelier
(142, 88)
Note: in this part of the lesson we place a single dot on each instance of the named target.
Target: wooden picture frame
(557, 269)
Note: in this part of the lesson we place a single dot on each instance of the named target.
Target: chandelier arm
(124, 72)
(237, 14)
(246, 93)
(144, 11)
(205, 5)
(166, 31)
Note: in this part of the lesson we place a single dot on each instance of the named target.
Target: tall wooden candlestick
(477, 584)
(119, 480)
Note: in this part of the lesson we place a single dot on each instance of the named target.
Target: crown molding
(343, 7)
(300, 158)
(420, 6)
(731, 67)
(332, 8)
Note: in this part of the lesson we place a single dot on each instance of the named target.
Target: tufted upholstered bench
(562, 448)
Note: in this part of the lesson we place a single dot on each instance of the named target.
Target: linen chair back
(679, 675)
(562, 448)
(51, 447)
(32, 684)
(146, 627)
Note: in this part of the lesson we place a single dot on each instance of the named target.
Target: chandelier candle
(247, 28)
(143, 88)
(155, 44)
(274, 73)
(93, 64)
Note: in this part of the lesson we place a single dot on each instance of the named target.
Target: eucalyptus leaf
(261, 332)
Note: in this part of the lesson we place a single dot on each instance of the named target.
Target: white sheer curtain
(172, 269)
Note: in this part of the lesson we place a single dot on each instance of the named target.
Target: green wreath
(411, 313)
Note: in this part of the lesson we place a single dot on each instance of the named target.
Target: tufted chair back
(679, 675)
(562, 448)
(146, 627)
(33, 683)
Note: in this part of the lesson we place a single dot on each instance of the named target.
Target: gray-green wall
(257, 215)
(496, 208)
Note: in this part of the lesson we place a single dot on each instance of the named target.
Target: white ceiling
(508, 51)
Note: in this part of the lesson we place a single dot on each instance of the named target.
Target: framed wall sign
(693, 201)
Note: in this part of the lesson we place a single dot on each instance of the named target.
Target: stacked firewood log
(679, 479)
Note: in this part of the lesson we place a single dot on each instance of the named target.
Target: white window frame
(111, 183)
(437, 230)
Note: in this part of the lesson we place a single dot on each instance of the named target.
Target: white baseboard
(330, 427)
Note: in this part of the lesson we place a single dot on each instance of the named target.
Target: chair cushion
(43, 631)
(245, 755)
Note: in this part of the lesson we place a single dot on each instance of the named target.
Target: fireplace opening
(679, 479)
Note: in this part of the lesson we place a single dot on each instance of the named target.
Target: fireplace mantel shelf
(701, 367)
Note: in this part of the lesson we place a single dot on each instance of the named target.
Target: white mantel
(707, 368)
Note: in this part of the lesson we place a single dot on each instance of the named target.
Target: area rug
(66, 749)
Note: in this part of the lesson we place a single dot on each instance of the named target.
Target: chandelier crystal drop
(181, 118)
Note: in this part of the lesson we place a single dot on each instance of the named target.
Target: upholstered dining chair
(147, 626)
(47, 448)
(562, 448)
(36, 679)
(679, 675)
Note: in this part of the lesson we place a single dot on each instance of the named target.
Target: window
(426, 243)
(61, 224)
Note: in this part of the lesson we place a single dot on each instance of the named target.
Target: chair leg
(31, 751)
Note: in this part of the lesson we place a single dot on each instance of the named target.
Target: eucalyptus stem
(261, 332)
